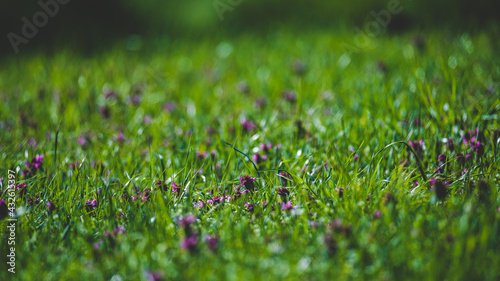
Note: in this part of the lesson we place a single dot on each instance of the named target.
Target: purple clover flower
(186, 220)
(257, 158)
(51, 206)
(154, 276)
(169, 106)
(287, 206)
(290, 96)
(189, 243)
(248, 182)
(249, 207)
(248, 126)
(212, 242)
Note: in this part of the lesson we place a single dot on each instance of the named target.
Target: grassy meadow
(284, 156)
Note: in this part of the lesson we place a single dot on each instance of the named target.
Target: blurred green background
(90, 25)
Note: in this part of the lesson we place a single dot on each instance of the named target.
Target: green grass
(360, 217)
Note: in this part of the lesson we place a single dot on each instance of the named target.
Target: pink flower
(51, 206)
(189, 243)
(287, 206)
(212, 242)
(200, 204)
(247, 181)
(169, 106)
(187, 220)
(81, 141)
(248, 126)
(249, 207)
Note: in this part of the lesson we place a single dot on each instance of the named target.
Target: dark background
(91, 25)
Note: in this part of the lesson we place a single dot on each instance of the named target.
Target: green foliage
(340, 145)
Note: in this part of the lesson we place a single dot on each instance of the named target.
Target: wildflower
(314, 224)
(91, 205)
(21, 189)
(442, 158)
(135, 100)
(119, 230)
(249, 207)
(110, 94)
(202, 155)
(287, 206)
(257, 158)
(212, 242)
(105, 111)
(74, 165)
(243, 87)
(285, 178)
(290, 96)
(418, 148)
(186, 220)
(283, 191)
(248, 182)
(51, 206)
(32, 201)
(468, 157)
(260, 103)
(81, 141)
(169, 106)
(161, 185)
(266, 147)
(148, 119)
(217, 200)
(120, 137)
(189, 243)
(33, 166)
(176, 188)
(248, 126)
(154, 276)
(200, 204)
(377, 214)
